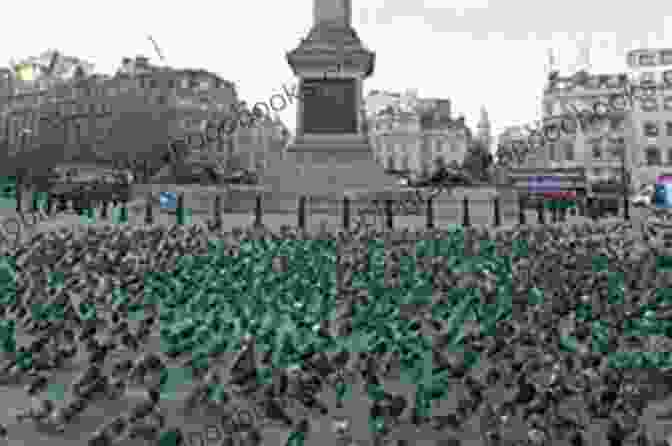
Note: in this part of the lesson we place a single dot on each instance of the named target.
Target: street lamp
(625, 181)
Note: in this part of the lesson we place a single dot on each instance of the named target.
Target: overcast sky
(475, 52)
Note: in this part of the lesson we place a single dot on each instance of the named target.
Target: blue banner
(168, 201)
(662, 197)
(543, 184)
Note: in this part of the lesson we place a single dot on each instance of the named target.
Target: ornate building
(78, 113)
(603, 150)
(417, 136)
(650, 72)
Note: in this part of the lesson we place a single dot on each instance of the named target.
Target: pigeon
(100, 438)
(116, 388)
(243, 371)
(396, 405)
(145, 407)
(122, 368)
(141, 429)
(148, 362)
(173, 437)
(145, 328)
(279, 384)
(272, 409)
(311, 402)
(196, 396)
(62, 354)
(40, 410)
(90, 388)
(62, 416)
(99, 353)
(78, 405)
(38, 384)
(87, 334)
(320, 364)
(130, 342)
(250, 437)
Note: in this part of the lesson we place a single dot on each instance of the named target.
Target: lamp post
(625, 180)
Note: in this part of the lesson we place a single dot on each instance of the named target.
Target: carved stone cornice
(329, 44)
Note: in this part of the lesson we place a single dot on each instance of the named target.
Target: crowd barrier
(384, 205)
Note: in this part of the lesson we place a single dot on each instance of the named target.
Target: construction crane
(156, 48)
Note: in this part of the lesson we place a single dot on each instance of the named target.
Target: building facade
(603, 151)
(650, 75)
(78, 113)
(417, 137)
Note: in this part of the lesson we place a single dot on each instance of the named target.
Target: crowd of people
(543, 330)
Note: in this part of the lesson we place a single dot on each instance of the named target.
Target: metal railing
(376, 211)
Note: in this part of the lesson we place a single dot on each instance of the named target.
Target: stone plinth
(326, 172)
(330, 153)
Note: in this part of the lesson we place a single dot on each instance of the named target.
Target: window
(637, 92)
(667, 78)
(153, 83)
(617, 124)
(569, 152)
(647, 60)
(390, 162)
(667, 103)
(614, 173)
(644, 92)
(613, 82)
(652, 156)
(616, 151)
(669, 157)
(647, 78)
(666, 58)
(593, 82)
(618, 102)
(649, 104)
(647, 99)
(171, 83)
(597, 151)
(650, 129)
(668, 126)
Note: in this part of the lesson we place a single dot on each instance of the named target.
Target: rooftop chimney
(141, 61)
